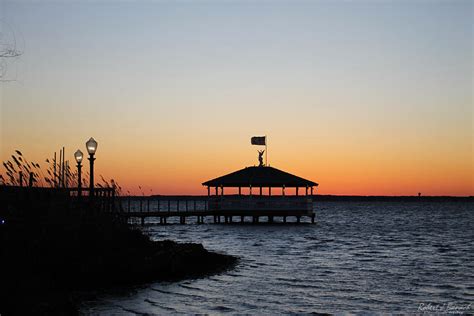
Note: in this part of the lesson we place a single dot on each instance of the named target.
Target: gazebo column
(297, 191)
(217, 193)
(208, 191)
(269, 191)
(240, 191)
(260, 190)
(250, 187)
(283, 190)
(222, 190)
(306, 190)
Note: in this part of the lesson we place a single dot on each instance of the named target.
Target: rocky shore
(43, 264)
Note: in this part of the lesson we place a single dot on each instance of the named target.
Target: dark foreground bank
(43, 265)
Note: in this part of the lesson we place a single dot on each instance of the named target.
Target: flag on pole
(259, 140)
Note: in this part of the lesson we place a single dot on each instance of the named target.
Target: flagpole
(266, 151)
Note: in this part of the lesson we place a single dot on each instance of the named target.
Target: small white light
(78, 155)
(91, 146)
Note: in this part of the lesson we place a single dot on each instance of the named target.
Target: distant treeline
(372, 198)
(335, 198)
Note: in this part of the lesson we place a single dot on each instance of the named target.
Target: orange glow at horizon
(338, 171)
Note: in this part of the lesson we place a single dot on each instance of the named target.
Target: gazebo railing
(261, 203)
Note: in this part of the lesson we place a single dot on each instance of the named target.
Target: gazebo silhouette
(262, 177)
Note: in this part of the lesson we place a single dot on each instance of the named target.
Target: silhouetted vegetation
(18, 167)
(50, 247)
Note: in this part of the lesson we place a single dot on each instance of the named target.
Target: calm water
(375, 257)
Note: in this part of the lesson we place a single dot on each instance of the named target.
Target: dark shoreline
(49, 267)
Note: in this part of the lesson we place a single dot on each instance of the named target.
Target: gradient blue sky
(365, 97)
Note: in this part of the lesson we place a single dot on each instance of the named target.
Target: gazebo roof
(259, 177)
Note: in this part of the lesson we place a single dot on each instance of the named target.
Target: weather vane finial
(260, 158)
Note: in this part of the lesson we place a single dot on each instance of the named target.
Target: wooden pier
(196, 209)
(25, 203)
(227, 208)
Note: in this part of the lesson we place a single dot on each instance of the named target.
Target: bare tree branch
(9, 50)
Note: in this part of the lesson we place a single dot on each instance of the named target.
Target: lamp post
(91, 148)
(78, 156)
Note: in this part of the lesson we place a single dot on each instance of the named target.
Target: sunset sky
(362, 97)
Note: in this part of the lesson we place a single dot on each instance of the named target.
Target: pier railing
(217, 207)
(163, 203)
(103, 200)
(174, 203)
(26, 203)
